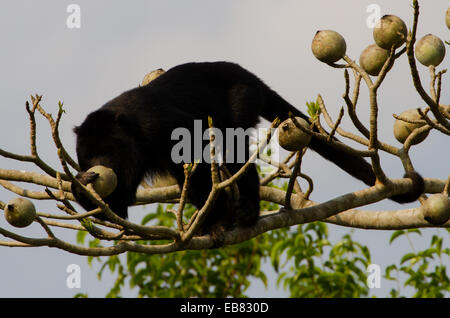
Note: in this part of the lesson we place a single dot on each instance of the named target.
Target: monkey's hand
(86, 177)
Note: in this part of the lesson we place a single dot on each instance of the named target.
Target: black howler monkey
(132, 135)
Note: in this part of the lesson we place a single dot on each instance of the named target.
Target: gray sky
(119, 42)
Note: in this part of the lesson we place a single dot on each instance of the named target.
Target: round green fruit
(106, 181)
(151, 76)
(20, 212)
(373, 58)
(292, 138)
(390, 31)
(436, 209)
(328, 46)
(430, 50)
(402, 129)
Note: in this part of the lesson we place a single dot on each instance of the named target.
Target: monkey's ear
(122, 121)
(126, 123)
(98, 122)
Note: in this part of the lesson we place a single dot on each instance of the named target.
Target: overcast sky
(120, 41)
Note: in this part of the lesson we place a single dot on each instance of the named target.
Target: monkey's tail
(356, 166)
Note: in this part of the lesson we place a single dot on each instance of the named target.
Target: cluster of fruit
(390, 32)
(20, 212)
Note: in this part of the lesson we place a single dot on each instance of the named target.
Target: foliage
(296, 255)
(341, 274)
(313, 110)
(206, 273)
(427, 281)
(306, 262)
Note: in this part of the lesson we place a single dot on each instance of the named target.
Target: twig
(359, 70)
(32, 119)
(408, 142)
(34, 153)
(243, 169)
(373, 132)
(234, 190)
(282, 167)
(298, 161)
(37, 195)
(432, 81)
(433, 124)
(333, 143)
(54, 125)
(336, 125)
(33, 177)
(45, 226)
(385, 69)
(415, 74)
(200, 216)
(71, 217)
(438, 89)
(188, 171)
(340, 131)
(334, 65)
(310, 185)
(318, 125)
(212, 154)
(408, 120)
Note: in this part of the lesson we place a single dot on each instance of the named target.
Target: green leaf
(87, 224)
(407, 257)
(388, 271)
(147, 218)
(366, 252)
(428, 253)
(414, 231)
(275, 254)
(81, 236)
(395, 235)
(313, 109)
(61, 107)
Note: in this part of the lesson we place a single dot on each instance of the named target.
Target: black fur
(132, 135)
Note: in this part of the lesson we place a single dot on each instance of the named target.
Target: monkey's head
(109, 139)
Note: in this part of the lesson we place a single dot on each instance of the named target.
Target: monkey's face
(104, 150)
(108, 139)
(102, 139)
